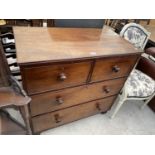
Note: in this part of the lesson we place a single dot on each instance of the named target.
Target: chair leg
(25, 113)
(147, 101)
(116, 106)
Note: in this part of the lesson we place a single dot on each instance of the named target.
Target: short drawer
(56, 100)
(110, 68)
(54, 119)
(56, 76)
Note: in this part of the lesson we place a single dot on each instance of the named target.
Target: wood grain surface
(54, 119)
(52, 77)
(52, 101)
(34, 44)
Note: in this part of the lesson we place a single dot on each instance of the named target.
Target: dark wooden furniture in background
(151, 70)
(71, 73)
(118, 24)
(50, 22)
(11, 94)
(18, 22)
(152, 104)
(28, 22)
(94, 23)
(142, 21)
(151, 42)
(7, 40)
(145, 65)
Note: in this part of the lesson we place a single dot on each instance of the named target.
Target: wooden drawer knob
(116, 69)
(59, 100)
(57, 118)
(106, 89)
(98, 106)
(62, 76)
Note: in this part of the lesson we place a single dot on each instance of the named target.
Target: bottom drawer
(54, 119)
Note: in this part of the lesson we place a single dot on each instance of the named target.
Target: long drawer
(54, 119)
(56, 100)
(110, 68)
(55, 76)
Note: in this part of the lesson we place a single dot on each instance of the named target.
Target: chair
(135, 34)
(138, 86)
(116, 24)
(11, 93)
(148, 67)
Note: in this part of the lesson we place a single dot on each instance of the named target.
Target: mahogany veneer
(71, 73)
(113, 68)
(60, 117)
(58, 76)
(52, 101)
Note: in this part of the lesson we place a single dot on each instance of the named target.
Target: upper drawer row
(62, 75)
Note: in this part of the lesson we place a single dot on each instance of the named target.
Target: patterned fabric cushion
(136, 36)
(140, 85)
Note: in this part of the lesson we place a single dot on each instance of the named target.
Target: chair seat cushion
(140, 85)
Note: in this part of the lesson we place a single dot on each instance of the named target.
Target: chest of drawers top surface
(36, 44)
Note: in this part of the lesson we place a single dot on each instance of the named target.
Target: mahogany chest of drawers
(71, 73)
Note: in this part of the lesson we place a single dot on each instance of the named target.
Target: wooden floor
(8, 126)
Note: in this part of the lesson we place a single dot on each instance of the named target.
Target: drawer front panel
(58, 118)
(40, 79)
(52, 101)
(110, 68)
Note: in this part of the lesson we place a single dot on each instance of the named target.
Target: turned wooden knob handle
(62, 76)
(116, 69)
(57, 118)
(106, 89)
(98, 106)
(59, 100)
